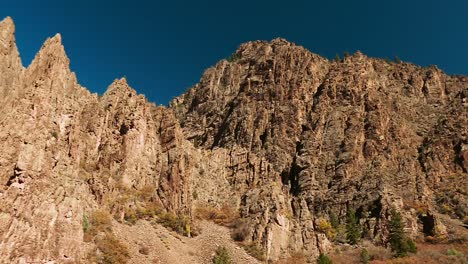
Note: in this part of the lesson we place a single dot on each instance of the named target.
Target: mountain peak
(120, 87)
(51, 57)
(9, 55)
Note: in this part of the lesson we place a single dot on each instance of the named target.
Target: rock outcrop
(357, 134)
(287, 138)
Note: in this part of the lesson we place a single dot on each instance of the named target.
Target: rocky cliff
(281, 135)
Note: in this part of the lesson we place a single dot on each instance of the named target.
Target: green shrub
(85, 223)
(324, 259)
(453, 252)
(365, 257)
(353, 229)
(221, 256)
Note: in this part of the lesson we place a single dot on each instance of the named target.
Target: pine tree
(353, 230)
(397, 235)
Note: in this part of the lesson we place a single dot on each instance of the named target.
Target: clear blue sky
(163, 47)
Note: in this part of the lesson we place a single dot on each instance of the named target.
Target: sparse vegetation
(99, 221)
(98, 228)
(364, 256)
(225, 215)
(234, 57)
(353, 229)
(112, 250)
(222, 256)
(240, 230)
(337, 58)
(255, 251)
(326, 227)
(324, 259)
(453, 252)
(179, 224)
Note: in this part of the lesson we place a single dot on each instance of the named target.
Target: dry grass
(112, 251)
(225, 215)
(97, 222)
(109, 250)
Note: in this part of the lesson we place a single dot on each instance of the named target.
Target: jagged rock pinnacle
(51, 58)
(120, 87)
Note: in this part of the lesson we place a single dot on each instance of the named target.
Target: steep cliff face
(356, 134)
(66, 152)
(284, 136)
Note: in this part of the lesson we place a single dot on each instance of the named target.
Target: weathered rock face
(357, 134)
(66, 151)
(281, 134)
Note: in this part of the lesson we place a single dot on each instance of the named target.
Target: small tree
(334, 220)
(222, 256)
(337, 58)
(397, 238)
(324, 259)
(353, 230)
(397, 60)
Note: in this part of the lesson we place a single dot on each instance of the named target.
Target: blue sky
(163, 47)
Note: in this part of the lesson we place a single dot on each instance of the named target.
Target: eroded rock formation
(282, 135)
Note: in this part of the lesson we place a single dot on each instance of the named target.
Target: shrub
(453, 252)
(365, 257)
(353, 230)
(225, 215)
(179, 224)
(99, 221)
(240, 230)
(221, 256)
(255, 251)
(323, 259)
(325, 226)
(113, 251)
